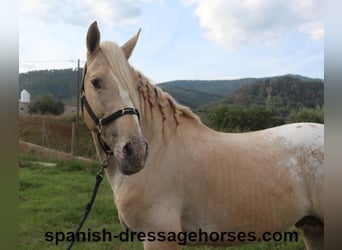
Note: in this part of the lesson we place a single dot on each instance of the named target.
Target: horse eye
(96, 83)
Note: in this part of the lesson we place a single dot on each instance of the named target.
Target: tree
(235, 118)
(46, 105)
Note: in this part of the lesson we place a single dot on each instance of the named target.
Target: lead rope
(99, 178)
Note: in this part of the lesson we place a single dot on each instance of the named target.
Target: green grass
(53, 199)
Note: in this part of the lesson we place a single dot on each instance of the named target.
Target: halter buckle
(125, 110)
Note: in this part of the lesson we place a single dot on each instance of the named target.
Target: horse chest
(131, 212)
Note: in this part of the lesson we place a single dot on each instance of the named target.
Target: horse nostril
(135, 150)
(128, 149)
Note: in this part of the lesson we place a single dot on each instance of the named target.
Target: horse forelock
(120, 67)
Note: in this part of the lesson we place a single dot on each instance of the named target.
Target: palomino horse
(169, 173)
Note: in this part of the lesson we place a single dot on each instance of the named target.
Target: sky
(180, 39)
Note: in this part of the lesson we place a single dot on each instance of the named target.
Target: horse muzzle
(132, 156)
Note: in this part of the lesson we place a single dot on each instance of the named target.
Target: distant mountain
(194, 93)
(62, 85)
(197, 93)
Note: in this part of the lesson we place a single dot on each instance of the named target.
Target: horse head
(109, 108)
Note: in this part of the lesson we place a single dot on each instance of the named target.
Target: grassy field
(52, 199)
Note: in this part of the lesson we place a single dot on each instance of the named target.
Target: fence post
(72, 137)
(43, 132)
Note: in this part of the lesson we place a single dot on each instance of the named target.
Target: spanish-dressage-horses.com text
(181, 238)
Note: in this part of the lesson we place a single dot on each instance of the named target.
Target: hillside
(279, 95)
(61, 84)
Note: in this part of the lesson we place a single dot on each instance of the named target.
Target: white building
(25, 98)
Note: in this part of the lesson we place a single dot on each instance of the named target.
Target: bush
(46, 105)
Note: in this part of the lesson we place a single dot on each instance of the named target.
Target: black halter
(100, 122)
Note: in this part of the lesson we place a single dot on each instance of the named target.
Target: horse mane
(155, 96)
(151, 93)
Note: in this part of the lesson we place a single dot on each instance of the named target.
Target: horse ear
(93, 38)
(129, 45)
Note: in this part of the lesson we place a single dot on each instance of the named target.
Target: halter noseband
(100, 122)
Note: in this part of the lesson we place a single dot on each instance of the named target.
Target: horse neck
(160, 113)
